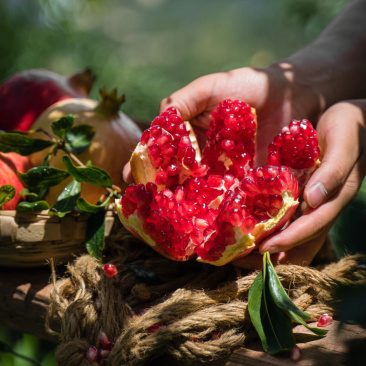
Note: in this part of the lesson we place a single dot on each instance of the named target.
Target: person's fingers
(314, 223)
(197, 100)
(340, 142)
(127, 174)
(194, 99)
(298, 255)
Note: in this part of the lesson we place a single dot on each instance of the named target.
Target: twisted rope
(200, 311)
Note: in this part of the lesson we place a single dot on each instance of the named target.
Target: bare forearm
(333, 67)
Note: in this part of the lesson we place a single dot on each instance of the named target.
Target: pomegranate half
(217, 206)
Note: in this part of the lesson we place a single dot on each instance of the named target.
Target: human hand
(342, 138)
(271, 91)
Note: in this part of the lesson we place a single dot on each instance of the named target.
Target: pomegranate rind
(265, 229)
(134, 225)
(142, 169)
(247, 243)
(243, 246)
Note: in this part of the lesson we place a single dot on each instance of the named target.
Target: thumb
(337, 141)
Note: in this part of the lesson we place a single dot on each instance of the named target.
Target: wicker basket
(31, 239)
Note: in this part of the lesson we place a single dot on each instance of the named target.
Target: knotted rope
(199, 312)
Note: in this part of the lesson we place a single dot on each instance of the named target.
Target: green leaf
(78, 138)
(35, 195)
(7, 193)
(278, 293)
(85, 206)
(66, 201)
(33, 206)
(62, 125)
(43, 176)
(22, 144)
(95, 228)
(282, 300)
(271, 310)
(90, 174)
(273, 325)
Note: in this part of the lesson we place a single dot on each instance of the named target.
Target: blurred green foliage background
(148, 49)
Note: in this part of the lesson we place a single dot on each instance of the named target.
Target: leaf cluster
(72, 140)
(272, 311)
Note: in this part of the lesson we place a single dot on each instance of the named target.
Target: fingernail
(316, 195)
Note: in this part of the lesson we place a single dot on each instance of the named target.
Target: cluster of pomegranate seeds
(230, 144)
(204, 207)
(324, 320)
(110, 270)
(100, 354)
(264, 187)
(170, 148)
(174, 217)
(296, 146)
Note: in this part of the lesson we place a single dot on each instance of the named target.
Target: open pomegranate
(116, 135)
(10, 165)
(217, 207)
(25, 95)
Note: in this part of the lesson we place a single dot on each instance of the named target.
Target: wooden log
(24, 299)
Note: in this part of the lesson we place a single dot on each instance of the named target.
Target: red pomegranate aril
(168, 152)
(324, 320)
(296, 354)
(145, 137)
(104, 353)
(161, 177)
(227, 144)
(164, 139)
(92, 353)
(172, 169)
(104, 340)
(110, 270)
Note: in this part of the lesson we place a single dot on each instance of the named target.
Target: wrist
(299, 89)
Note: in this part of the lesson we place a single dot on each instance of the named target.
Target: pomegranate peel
(26, 94)
(116, 134)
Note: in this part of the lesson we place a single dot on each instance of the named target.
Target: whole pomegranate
(217, 206)
(25, 95)
(116, 135)
(10, 165)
